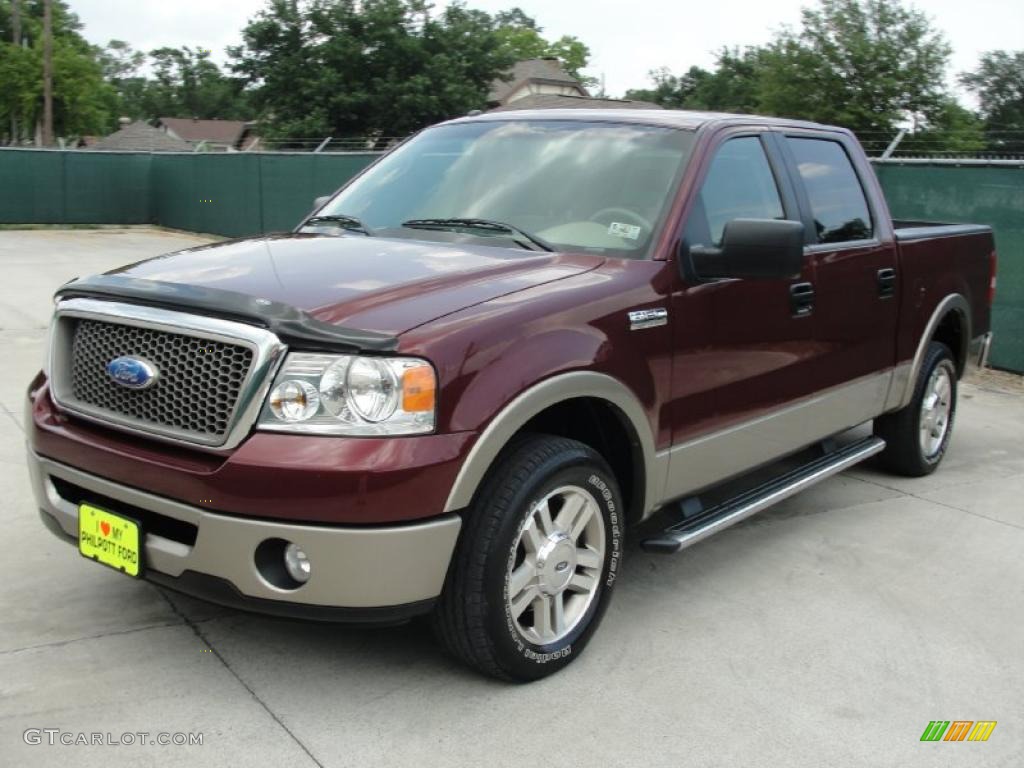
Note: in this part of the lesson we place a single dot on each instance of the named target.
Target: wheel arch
(950, 323)
(553, 401)
(953, 330)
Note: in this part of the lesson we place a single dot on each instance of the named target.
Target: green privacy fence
(243, 194)
(980, 193)
(50, 187)
(235, 194)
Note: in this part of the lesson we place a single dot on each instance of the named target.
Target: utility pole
(16, 39)
(47, 73)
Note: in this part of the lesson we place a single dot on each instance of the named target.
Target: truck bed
(937, 260)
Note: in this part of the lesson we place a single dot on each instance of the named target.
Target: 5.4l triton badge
(132, 372)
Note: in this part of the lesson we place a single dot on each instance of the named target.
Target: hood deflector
(293, 326)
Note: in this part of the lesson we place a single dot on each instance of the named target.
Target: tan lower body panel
(351, 567)
(721, 455)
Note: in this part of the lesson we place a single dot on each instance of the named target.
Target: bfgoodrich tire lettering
(533, 494)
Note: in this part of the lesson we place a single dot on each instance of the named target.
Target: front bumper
(358, 573)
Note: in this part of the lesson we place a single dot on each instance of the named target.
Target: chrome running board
(708, 522)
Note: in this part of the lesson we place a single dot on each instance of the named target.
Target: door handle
(801, 297)
(886, 283)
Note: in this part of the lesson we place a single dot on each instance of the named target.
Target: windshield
(596, 187)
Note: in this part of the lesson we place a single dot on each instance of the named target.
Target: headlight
(294, 400)
(351, 395)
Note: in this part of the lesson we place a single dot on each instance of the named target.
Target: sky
(627, 38)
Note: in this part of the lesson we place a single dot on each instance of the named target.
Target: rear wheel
(917, 436)
(535, 564)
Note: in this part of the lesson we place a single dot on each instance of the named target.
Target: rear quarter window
(837, 200)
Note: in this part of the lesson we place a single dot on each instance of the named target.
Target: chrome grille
(197, 389)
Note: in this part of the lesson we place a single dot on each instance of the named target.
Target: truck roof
(674, 118)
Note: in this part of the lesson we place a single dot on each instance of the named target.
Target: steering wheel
(633, 216)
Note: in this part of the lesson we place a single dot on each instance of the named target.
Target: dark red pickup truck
(454, 388)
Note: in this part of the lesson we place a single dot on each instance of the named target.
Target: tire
(508, 556)
(917, 436)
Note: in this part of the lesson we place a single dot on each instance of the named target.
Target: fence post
(893, 144)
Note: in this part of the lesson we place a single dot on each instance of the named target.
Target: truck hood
(378, 284)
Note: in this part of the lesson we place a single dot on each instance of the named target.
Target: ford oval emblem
(132, 372)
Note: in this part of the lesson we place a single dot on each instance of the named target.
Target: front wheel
(535, 564)
(917, 436)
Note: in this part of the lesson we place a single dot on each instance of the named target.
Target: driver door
(744, 350)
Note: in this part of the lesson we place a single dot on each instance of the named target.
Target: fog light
(297, 563)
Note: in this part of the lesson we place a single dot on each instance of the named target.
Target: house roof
(141, 137)
(554, 101)
(214, 131)
(543, 70)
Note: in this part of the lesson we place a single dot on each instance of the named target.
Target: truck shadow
(363, 656)
(372, 660)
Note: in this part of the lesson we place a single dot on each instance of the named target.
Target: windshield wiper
(483, 224)
(351, 223)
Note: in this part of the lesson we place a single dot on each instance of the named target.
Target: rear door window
(837, 200)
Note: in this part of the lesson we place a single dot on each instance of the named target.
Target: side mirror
(318, 203)
(753, 249)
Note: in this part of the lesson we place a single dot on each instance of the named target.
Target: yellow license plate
(109, 539)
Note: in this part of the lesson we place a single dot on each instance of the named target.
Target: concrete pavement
(827, 631)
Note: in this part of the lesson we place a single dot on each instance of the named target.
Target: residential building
(210, 135)
(544, 84)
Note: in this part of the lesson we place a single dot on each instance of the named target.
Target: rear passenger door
(853, 258)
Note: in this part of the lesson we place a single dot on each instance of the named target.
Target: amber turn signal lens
(418, 389)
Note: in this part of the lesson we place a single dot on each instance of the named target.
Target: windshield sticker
(627, 231)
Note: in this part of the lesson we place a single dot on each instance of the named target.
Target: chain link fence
(963, 144)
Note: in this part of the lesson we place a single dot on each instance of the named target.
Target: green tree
(379, 67)
(732, 86)
(515, 17)
(672, 91)
(870, 65)
(120, 61)
(998, 83)
(21, 76)
(865, 64)
(186, 83)
(83, 103)
(950, 128)
(574, 56)
(520, 35)
(121, 66)
(285, 73)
